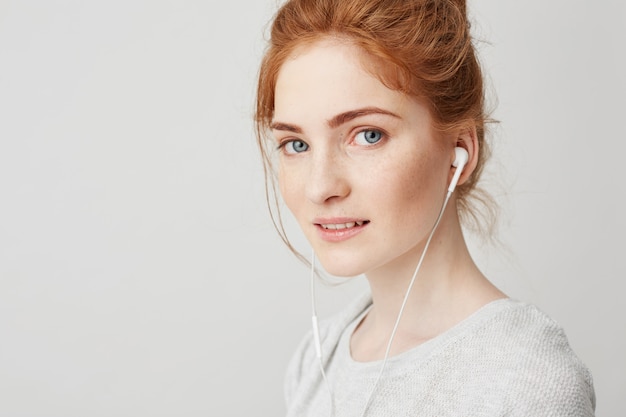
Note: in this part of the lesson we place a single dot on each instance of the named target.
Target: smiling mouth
(342, 226)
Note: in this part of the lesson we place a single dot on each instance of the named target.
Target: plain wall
(139, 270)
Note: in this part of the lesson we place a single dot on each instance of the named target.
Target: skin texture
(327, 107)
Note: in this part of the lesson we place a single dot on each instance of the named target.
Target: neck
(448, 288)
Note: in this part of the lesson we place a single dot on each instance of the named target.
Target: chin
(341, 267)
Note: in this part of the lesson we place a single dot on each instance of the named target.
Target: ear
(465, 137)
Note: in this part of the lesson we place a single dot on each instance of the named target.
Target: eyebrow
(286, 127)
(337, 120)
(353, 114)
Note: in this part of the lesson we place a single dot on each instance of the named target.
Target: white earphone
(460, 160)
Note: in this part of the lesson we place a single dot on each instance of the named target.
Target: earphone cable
(404, 301)
(315, 325)
(316, 335)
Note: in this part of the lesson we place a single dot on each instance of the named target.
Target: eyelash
(285, 143)
(383, 136)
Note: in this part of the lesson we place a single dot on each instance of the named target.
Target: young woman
(372, 111)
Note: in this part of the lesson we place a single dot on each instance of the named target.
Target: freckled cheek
(291, 191)
(408, 193)
(412, 188)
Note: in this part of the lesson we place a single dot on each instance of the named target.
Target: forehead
(328, 77)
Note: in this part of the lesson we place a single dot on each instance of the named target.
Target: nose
(327, 180)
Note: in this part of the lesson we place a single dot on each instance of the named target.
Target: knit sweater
(506, 359)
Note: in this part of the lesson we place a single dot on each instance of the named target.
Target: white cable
(316, 335)
(406, 297)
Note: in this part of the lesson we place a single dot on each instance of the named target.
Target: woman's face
(359, 165)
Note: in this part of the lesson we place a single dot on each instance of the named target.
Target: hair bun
(462, 5)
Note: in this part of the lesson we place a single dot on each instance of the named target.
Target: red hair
(426, 52)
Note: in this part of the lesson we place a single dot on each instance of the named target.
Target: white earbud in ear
(461, 158)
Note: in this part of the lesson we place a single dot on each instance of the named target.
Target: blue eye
(368, 137)
(295, 146)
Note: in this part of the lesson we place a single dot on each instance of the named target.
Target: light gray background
(139, 271)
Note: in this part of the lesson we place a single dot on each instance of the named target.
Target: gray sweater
(507, 359)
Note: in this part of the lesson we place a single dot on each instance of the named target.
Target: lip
(339, 234)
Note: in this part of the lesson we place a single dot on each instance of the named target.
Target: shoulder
(529, 353)
(524, 332)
